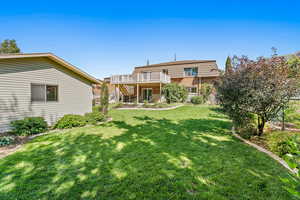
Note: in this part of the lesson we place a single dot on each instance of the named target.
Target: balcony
(146, 77)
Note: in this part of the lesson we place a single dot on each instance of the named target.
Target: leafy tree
(205, 91)
(9, 46)
(174, 92)
(294, 63)
(104, 101)
(260, 88)
(228, 65)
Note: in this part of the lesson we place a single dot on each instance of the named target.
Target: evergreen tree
(104, 101)
(228, 65)
(9, 46)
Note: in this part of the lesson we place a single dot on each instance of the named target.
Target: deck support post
(137, 93)
(160, 92)
(118, 92)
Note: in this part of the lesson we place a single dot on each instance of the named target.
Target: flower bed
(148, 106)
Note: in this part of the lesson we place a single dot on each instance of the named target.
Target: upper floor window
(165, 71)
(146, 75)
(193, 71)
(44, 93)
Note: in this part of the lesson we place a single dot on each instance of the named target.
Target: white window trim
(45, 87)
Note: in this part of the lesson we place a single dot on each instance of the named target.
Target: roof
(177, 63)
(55, 59)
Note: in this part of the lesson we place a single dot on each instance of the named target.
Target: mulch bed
(18, 142)
(261, 147)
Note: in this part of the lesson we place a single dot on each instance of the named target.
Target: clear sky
(111, 37)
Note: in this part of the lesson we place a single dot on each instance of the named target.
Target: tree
(104, 101)
(9, 46)
(228, 65)
(294, 63)
(205, 91)
(174, 92)
(260, 88)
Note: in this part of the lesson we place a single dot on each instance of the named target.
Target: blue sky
(111, 37)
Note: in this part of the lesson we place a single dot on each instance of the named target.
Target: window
(38, 92)
(191, 71)
(52, 92)
(146, 75)
(192, 89)
(165, 71)
(41, 92)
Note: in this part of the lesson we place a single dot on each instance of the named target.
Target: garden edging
(18, 146)
(261, 149)
(169, 108)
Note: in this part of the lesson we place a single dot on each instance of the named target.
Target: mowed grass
(185, 153)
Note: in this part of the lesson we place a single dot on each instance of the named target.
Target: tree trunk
(260, 125)
(283, 120)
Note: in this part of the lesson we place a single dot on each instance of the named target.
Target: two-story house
(146, 82)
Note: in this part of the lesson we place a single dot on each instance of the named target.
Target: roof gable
(56, 59)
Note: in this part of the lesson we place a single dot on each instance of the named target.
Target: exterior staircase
(127, 92)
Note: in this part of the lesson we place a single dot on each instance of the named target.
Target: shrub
(246, 126)
(97, 108)
(119, 105)
(174, 93)
(197, 100)
(283, 143)
(259, 87)
(94, 117)
(29, 126)
(6, 140)
(161, 105)
(147, 105)
(247, 130)
(206, 90)
(70, 121)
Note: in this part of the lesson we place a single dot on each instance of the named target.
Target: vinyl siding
(207, 69)
(16, 75)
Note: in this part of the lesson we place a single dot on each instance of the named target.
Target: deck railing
(148, 77)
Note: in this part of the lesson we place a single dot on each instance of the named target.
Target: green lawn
(185, 153)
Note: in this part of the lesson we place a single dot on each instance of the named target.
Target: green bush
(6, 140)
(70, 121)
(161, 105)
(119, 105)
(246, 126)
(29, 126)
(247, 130)
(94, 117)
(197, 100)
(97, 108)
(174, 93)
(289, 150)
(147, 105)
(286, 147)
(205, 90)
(282, 142)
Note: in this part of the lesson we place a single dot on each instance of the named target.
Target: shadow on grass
(153, 159)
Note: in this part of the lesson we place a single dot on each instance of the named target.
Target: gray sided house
(42, 84)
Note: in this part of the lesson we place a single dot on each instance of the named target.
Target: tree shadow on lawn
(154, 159)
